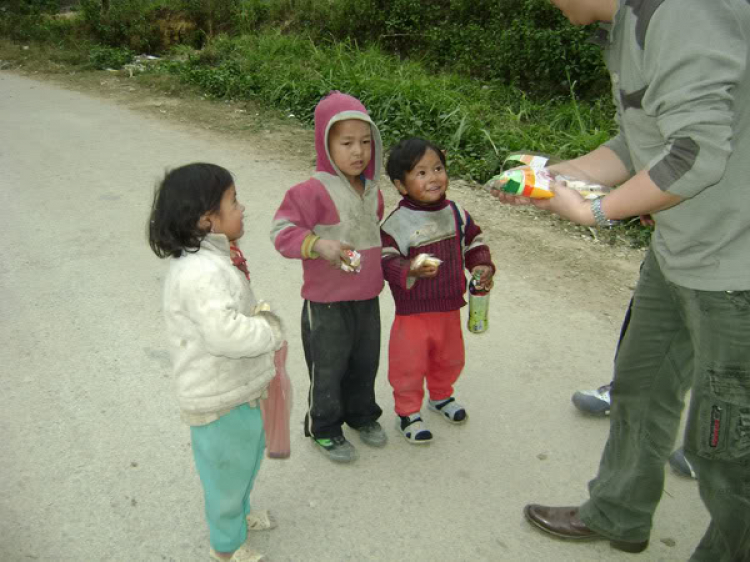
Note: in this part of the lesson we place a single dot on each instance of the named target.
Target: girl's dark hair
(181, 199)
(405, 155)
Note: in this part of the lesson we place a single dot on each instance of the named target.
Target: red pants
(424, 346)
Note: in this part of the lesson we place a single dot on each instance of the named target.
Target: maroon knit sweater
(413, 229)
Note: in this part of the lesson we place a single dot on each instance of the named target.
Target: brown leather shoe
(564, 523)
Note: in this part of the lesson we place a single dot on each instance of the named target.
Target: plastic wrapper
(528, 175)
(429, 259)
(277, 409)
(355, 262)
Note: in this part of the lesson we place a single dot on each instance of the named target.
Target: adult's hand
(567, 203)
(509, 199)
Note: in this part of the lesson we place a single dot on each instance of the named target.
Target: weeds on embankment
(477, 123)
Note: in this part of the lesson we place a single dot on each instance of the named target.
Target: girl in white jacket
(222, 346)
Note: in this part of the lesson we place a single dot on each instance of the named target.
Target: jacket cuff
(307, 247)
(479, 256)
(277, 329)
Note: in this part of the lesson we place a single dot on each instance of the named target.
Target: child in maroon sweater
(426, 338)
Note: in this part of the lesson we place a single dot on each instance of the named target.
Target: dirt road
(95, 463)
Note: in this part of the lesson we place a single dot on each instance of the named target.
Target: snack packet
(532, 178)
(426, 258)
(355, 262)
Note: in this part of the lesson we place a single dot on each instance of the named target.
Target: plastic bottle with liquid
(479, 306)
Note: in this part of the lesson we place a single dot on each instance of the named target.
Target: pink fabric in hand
(277, 409)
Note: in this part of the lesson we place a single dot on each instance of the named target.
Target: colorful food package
(528, 175)
(355, 262)
(277, 409)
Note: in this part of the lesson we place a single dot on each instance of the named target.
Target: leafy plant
(131, 24)
(29, 20)
(523, 43)
(102, 57)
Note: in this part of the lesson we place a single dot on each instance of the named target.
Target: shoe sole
(602, 414)
(629, 547)
(348, 460)
(420, 442)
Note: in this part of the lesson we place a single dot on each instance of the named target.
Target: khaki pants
(679, 338)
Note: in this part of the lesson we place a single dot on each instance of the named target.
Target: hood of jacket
(335, 107)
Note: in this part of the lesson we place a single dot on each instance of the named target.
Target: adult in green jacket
(682, 91)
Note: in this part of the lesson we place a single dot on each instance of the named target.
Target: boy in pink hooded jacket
(320, 221)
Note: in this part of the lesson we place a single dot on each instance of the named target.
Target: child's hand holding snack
(333, 251)
(424, 266)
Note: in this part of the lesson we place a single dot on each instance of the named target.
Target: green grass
(477, 123)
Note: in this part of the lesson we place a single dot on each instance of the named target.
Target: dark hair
(181, 199)
(406, 154)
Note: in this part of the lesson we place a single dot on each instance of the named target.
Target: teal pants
(679, 338)
(228, 453)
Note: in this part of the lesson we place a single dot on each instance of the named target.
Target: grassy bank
(477, 123)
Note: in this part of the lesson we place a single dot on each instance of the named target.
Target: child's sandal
(450, 409)
(242, 554)
(414, 430)
(260, 520)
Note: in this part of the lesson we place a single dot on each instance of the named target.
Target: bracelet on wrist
(599, 216)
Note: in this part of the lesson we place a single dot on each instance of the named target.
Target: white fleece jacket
(222, 352)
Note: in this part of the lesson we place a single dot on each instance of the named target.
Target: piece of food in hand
(428, 259)
(587, 189)
(262, 306)
(355, 262)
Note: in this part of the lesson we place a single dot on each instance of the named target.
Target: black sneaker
(338, 449)
(372, 434)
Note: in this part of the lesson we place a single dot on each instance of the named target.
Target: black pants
(342, 349)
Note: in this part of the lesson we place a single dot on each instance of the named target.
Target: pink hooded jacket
(328, 206)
